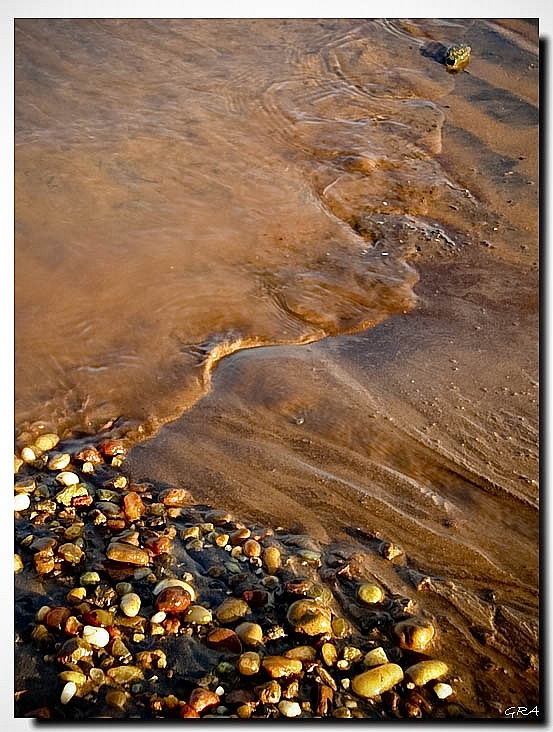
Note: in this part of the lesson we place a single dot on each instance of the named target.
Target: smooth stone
(21, 502)
(133, 506)
(47, 441)
(272, 559)
(130, 604)
(198, 615)
(123, 588)
(415, 634)
(67, 478)
(71, 553)
(289, 708)
(68, 692)
(76, 677)
(97, 637)
(59, 461)
(307, 616)
(17, 563)
(376, 657)
(424, 671)
(73, 650)
(269, 693)
(174, 582)
(174, 600)
(89, 578)
(251, 634)
(224, 638)
(329, 654)
(302, 653)
(70, 492)
(30, 454)
(125, 674)
(377, 680)
(442, 690)
(121, 552)
(202, 699)
(231, 609)
(340, 627)
(370, 594)
(175, 497)
(281, 666)
(251, 548)
(249, 663)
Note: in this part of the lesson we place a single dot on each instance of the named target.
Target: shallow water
(325, 192)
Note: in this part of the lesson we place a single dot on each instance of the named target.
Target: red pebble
(187, 712)
(89, 455)
(110, 448)
(255, 598)
(173, 600)
(158, 544)
(133, 506)
(202, 699)
(80, 501)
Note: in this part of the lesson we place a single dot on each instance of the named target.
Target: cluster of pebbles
(152, 607)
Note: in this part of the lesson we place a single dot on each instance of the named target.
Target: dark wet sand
(421, 422)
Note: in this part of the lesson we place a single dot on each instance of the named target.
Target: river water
(296, 261)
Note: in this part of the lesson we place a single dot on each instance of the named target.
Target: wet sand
(345, 339)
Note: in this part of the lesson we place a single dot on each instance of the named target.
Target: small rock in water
(198, 615)
(272, 559)
(377, 680)
(307, 616)
(376, 657)
(121, 552)
(251, 634)
(30, 454)
(67, 478)
(442, 690)
(369, 594)
(249, 663)
(59, 461)
(47, 441)
(174, 582)
(280, 666)
(231, 609)
(174, 600)
(17, 563)
(202, 699)
(133, 506)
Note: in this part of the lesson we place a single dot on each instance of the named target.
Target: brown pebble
(238, 537)
(249, 663)
(251, 548)
(121, 552)
(280, 666)
(175, 497)
(44, 562)
(72, 626)
(159, 545)
(171, 625)
(225, 638)
(56, 617)
(187, 712)
(272, 560)
(173, 600)
(133, 506)
(269, 693)
(202, 699)
(324, 700)
(89, 455)
(255, 598)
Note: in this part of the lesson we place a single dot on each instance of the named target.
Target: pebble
(269, 693)
(442, 690)
(158, 617)
(73, 650)
(17, 463)
(369, 594)
(224, 638)
(302, 653)
(249, 663)
(97, 637)
(55, 617)
(174, 582)
(198, 615)
(377, 680)
(173, 600)
(329, 654)
(202, 699)
(71, 553)
(340, 627)
(133, 506)
(110, 448)
(307, 616)
(231, 609)
(121, 552)
(67, 478)
(289, 708)
(68, 692)
(89, 455)
(251, 634)
(414, 634)
(89, 578)
(424, 671)
(117, 698)
(125, 674)
(175, 497)
(281, 666)
(130, 604)
(47, 441)
(376, 657)
(17, 563)
(59, 461)
(71, 492)
(251, 548)
(21, 502)
(272, 559)
(76, 677)
(30, 454)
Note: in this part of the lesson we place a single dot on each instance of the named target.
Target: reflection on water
(186, 189)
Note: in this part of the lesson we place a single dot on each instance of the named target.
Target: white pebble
(289, 708)
(158, 617)
(173, 582)
(442, 691)
(59, 461)
(219, 691)
(67, 478)
(98, 637)
(68, 692)
(30, 454)
(21, 502)
(130, 604)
